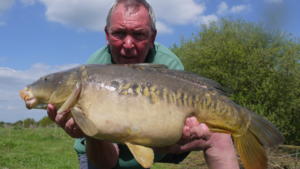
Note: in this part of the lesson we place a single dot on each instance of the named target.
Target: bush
(260, 68)
(46, 122)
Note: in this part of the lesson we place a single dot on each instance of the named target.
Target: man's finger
(200, 131)
(186, 133)
(61, 119)
(191, 121)
(69, 124)
(51, 111)
(200, 136)
(199, 144)
(72, 129)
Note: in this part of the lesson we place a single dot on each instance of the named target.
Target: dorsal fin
(145, 66)
(182, 75)
(197, 79)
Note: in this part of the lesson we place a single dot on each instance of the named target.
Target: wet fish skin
(147, 105)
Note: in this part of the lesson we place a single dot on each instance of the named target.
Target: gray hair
(133, 4)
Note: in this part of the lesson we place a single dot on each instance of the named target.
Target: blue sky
(41, 36)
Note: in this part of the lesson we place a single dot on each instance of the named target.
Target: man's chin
(130, 60)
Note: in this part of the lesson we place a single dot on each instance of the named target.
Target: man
(130, 34)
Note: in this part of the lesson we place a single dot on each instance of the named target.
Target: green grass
(195, 160)
(51, 148)
(36, 148)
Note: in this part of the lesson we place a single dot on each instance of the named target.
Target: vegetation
(52, 148)
(259, 68)
(28, 148)
(30, 123)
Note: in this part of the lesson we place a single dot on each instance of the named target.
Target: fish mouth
(28, 97)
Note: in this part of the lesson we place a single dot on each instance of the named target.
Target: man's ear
(106, 33)
(153, 36)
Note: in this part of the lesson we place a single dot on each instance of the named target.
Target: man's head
(130, 31)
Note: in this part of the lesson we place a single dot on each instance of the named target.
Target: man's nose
(128, 42)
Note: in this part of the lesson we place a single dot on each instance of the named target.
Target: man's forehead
(130, 13)
(131, 8)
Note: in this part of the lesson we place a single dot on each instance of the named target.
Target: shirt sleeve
(101, 56)
(165, 56)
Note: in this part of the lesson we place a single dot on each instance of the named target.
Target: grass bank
(35, 148)
(51, 148)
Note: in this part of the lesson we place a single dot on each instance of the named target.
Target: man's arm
(102, 154)
(218, 148)
(68, 124)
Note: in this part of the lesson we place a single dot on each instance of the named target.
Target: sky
(38, 37)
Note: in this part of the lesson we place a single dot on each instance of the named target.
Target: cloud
(91, 14)
(208, 19)
(162, 28)
(239, 8)
(12, 108)
(5, 5)
(177, 11)
(86, 15)
(224, 9)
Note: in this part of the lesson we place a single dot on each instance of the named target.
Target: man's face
(129, 35)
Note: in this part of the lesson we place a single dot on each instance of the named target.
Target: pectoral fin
(85, 124)
(143, 155)
(71, 100)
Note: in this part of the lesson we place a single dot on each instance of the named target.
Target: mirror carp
(145, 106)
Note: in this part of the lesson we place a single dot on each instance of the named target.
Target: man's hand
(218, 148)
(63, 120)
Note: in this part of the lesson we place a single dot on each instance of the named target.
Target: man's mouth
(129, 56)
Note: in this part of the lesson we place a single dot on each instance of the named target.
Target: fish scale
(145, 106)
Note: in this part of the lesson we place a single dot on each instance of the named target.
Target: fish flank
(115, 84)
(156, 94)
(144, 93)
(84, 73)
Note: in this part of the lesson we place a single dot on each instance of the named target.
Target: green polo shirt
(158, 55)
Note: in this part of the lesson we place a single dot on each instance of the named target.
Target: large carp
(145, 106)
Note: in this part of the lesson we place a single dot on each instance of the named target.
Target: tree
(29, 122)
(2, 124)
(45, 122)
(260, 68)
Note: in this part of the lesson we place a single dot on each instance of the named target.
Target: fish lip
(29, 99)
(30, 103)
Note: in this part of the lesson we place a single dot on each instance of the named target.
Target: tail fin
(252, 153)
(267, 133)
(250, 146)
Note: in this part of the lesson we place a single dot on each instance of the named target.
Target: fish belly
(135, 119)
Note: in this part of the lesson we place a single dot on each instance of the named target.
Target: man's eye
(140, 35)
(119, 34)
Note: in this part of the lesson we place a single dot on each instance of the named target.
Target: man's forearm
(221, 155)
(102, 154)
